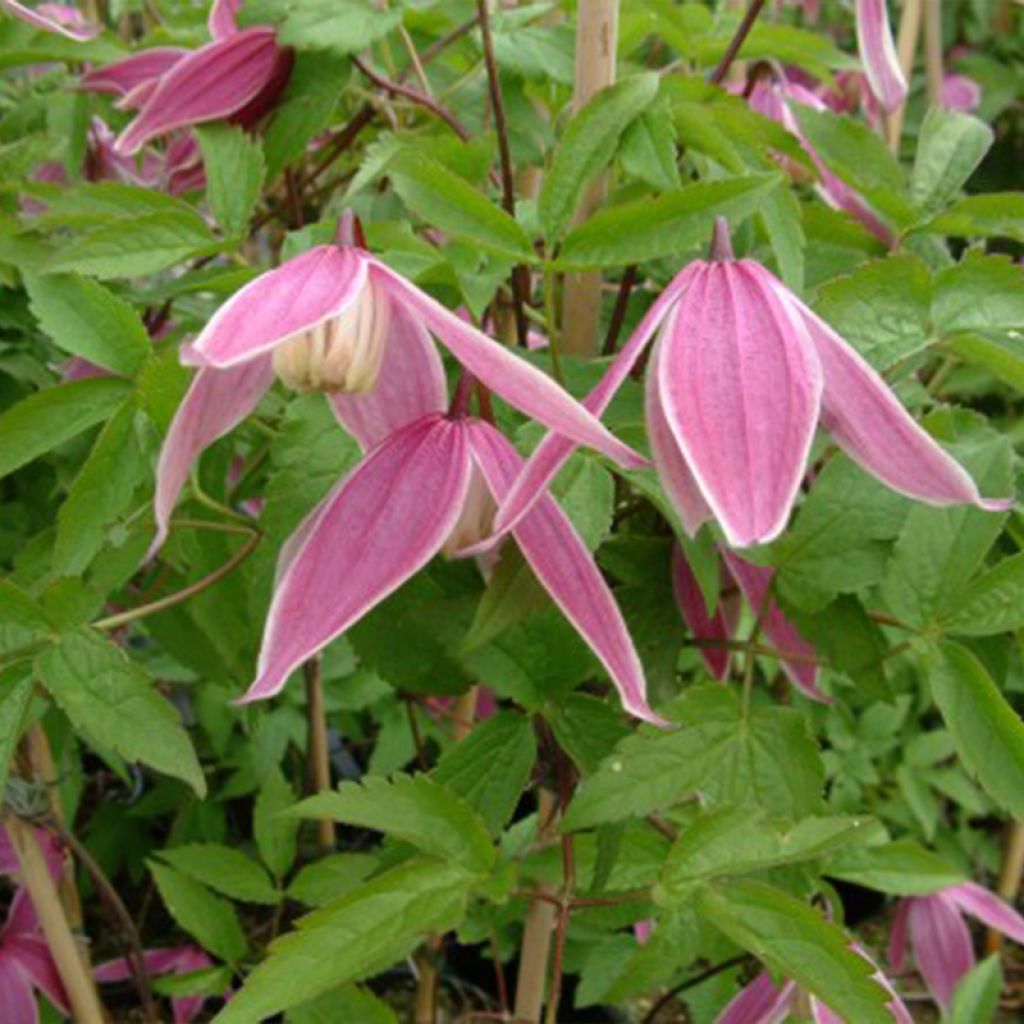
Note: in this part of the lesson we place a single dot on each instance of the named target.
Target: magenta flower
(939, 938)
(740, 376)
(429, 483)
(753, 582)
(764, 1002)
(61, 19)
(960, 92)
(239, 76)
(176, 960)
(878, 54)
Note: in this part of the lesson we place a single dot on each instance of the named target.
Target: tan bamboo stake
(538, 930)
(597, 32)
(317, 748)
(1010, 878)
(35, 876)
(933, 50)
(906, 48)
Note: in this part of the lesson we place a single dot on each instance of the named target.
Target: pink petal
(60, 19)
(694, 612)
(553, 451)
(761, 1002)
(755, 582)
(740, 388)
(988, 908)
(36, 962)
(16, 997)
(216, 402)
(942, 945)
(897, 952)
(878, 54)
(387, 519)
(209, 84)
(642, 931)
(295, 297)
(867, 421)
(411, 384)
(896, 1006)
(125, 75)
(174, 960)
(566, 569)
(674, 474)
(960, 92)
(223, 19)
(520, 384)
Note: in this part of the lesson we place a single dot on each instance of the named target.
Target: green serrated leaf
(344, 26)
(976, 998)
(234, 166)
(990, 215)
(950, 146)
(15, 695)
(275, 832)
(224, 870)
(992, 603)
(902, 868)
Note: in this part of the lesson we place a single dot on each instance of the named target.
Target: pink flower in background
(60, 19)
(239, 77)
(960, 92)
(176, 960)
(938, 934)
(764, 1002)
(741, 374)
(753, 582)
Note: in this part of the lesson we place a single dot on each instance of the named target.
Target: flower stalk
(317, 748)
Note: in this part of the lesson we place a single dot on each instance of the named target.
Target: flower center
(475, 520)
(343, 354)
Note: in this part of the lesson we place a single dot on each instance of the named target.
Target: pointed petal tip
(997, 504)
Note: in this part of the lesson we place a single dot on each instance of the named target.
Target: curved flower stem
(735, 44)
(35, 875)
(318, 750)
(123, 618)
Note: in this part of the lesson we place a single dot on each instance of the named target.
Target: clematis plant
(741, 374)
(878, 54)
(754, 583)
(938, 937)
(239, 76)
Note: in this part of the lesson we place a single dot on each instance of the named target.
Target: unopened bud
(343, 354)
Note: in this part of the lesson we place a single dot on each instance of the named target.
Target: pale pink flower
(960, 92)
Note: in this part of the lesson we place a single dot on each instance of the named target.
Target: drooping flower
(878, 54)
(939, 937)
(764, 1002)
(754, 583)
(429, 483)
(239, 77)
(61, 19)
(741, 373)
(960, 92)
(335, 319)
(772, 99)
(175, 960)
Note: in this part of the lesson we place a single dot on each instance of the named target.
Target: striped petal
(694, 612)
(294, 298)
(411, 384)
(386, 520)
(60, 19)
(755, 581)
(567, 571)
(16, 996)
(867, 421)
(878, 54)
(988, 908)
(942, 945)
(211, 83)
(216, 402)
(761, 1002)
(223, 19)
(124, 76)
(740, 387)
(516, 381)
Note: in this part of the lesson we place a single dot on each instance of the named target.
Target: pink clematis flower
(741, 374)
(960, 92)
(429, 483)
(60, 19)
(176, 960)
(26, 965)
(878, 54)
(764, 1002)
(239, 76)
(753, 582)
(939, 938)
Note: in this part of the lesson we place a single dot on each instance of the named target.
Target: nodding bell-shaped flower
(753, 583)
(335, 319)
(429, 483)
(741, 374)
(239, 77)
(764, 1002)
(878, 54)
(939, 938)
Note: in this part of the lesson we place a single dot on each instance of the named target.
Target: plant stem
(597, 30)
(520, 274)
(35, 875)
(626, 286)
(317, 749)
(933, 50)
(736, 43)
(1009, 878)
(697, 979)
(906, 48)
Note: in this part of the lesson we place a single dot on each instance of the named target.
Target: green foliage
(234, 166)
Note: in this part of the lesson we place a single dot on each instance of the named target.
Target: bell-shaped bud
(343, 353)
(475, 519)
